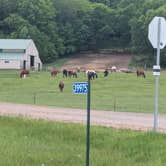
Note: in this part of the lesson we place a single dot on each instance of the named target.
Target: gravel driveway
(136, 121)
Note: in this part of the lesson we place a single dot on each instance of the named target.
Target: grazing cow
(24, 73)
(113, 69)
(61, 86)
(72, 73)
(91, 74)
(82, 69)
(125, 70)
(65, 73)
(106, 73)
(54, 72)
(78, 69)
(140, 73)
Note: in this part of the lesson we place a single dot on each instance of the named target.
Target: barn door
(32, 61)
(24, 65)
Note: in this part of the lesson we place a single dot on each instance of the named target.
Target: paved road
(136, 121)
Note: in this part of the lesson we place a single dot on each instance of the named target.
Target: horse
(78, 69)
(54, 72)
(91, 74)
(72, 73)
(106, 73)
(24, 73)
(61, 86)
(65, 73)
(113, 69)
(140, 73)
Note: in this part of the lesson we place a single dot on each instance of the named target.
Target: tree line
(62, 27)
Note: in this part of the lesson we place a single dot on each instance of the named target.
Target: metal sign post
(157, 37)
(88, 126)
(84, 88)
(155, 125)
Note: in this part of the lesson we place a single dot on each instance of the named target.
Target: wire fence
(113, 103)
(136, 103)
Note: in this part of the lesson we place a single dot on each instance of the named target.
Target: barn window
(13, 50)
(7, 61)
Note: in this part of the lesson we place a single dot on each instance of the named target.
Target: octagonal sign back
(153, 32)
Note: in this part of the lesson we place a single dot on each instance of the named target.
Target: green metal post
(88, 126)
(34, 98)
(114, 103)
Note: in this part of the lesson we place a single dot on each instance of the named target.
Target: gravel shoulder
(125, 120)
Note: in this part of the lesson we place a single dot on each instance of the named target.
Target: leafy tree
(62, 27)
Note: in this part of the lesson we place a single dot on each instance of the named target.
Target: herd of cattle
(91, 74)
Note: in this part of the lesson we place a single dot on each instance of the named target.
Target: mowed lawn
(40, 143)
(117, 92)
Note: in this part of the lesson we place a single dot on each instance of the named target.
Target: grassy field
(118, 92)
(40, 143)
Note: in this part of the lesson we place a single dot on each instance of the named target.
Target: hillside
(98, 61)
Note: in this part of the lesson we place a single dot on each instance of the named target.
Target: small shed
(19, 54)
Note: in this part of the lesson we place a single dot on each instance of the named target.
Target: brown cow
(140, 73)
(72, 73)
(24, 73)
(61, 86)
(54, 72)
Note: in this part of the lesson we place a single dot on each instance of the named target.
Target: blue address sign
(80, 87)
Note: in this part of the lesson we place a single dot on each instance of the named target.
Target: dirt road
(136, 121)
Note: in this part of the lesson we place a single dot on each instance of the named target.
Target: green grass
(118, 92)
(33, 143)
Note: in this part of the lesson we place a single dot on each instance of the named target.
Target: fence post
(114, 103)
(34, 98)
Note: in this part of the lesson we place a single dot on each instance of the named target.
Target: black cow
(106, 73)
(65, 73)
(91, 74)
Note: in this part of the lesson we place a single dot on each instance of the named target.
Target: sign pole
(157, 77)
(84, 88)
(88, 125)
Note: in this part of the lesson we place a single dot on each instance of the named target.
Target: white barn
(19, 54)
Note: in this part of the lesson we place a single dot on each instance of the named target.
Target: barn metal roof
(14, 43)
(11, 56)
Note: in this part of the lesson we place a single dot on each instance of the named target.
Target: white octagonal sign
(153, 32)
